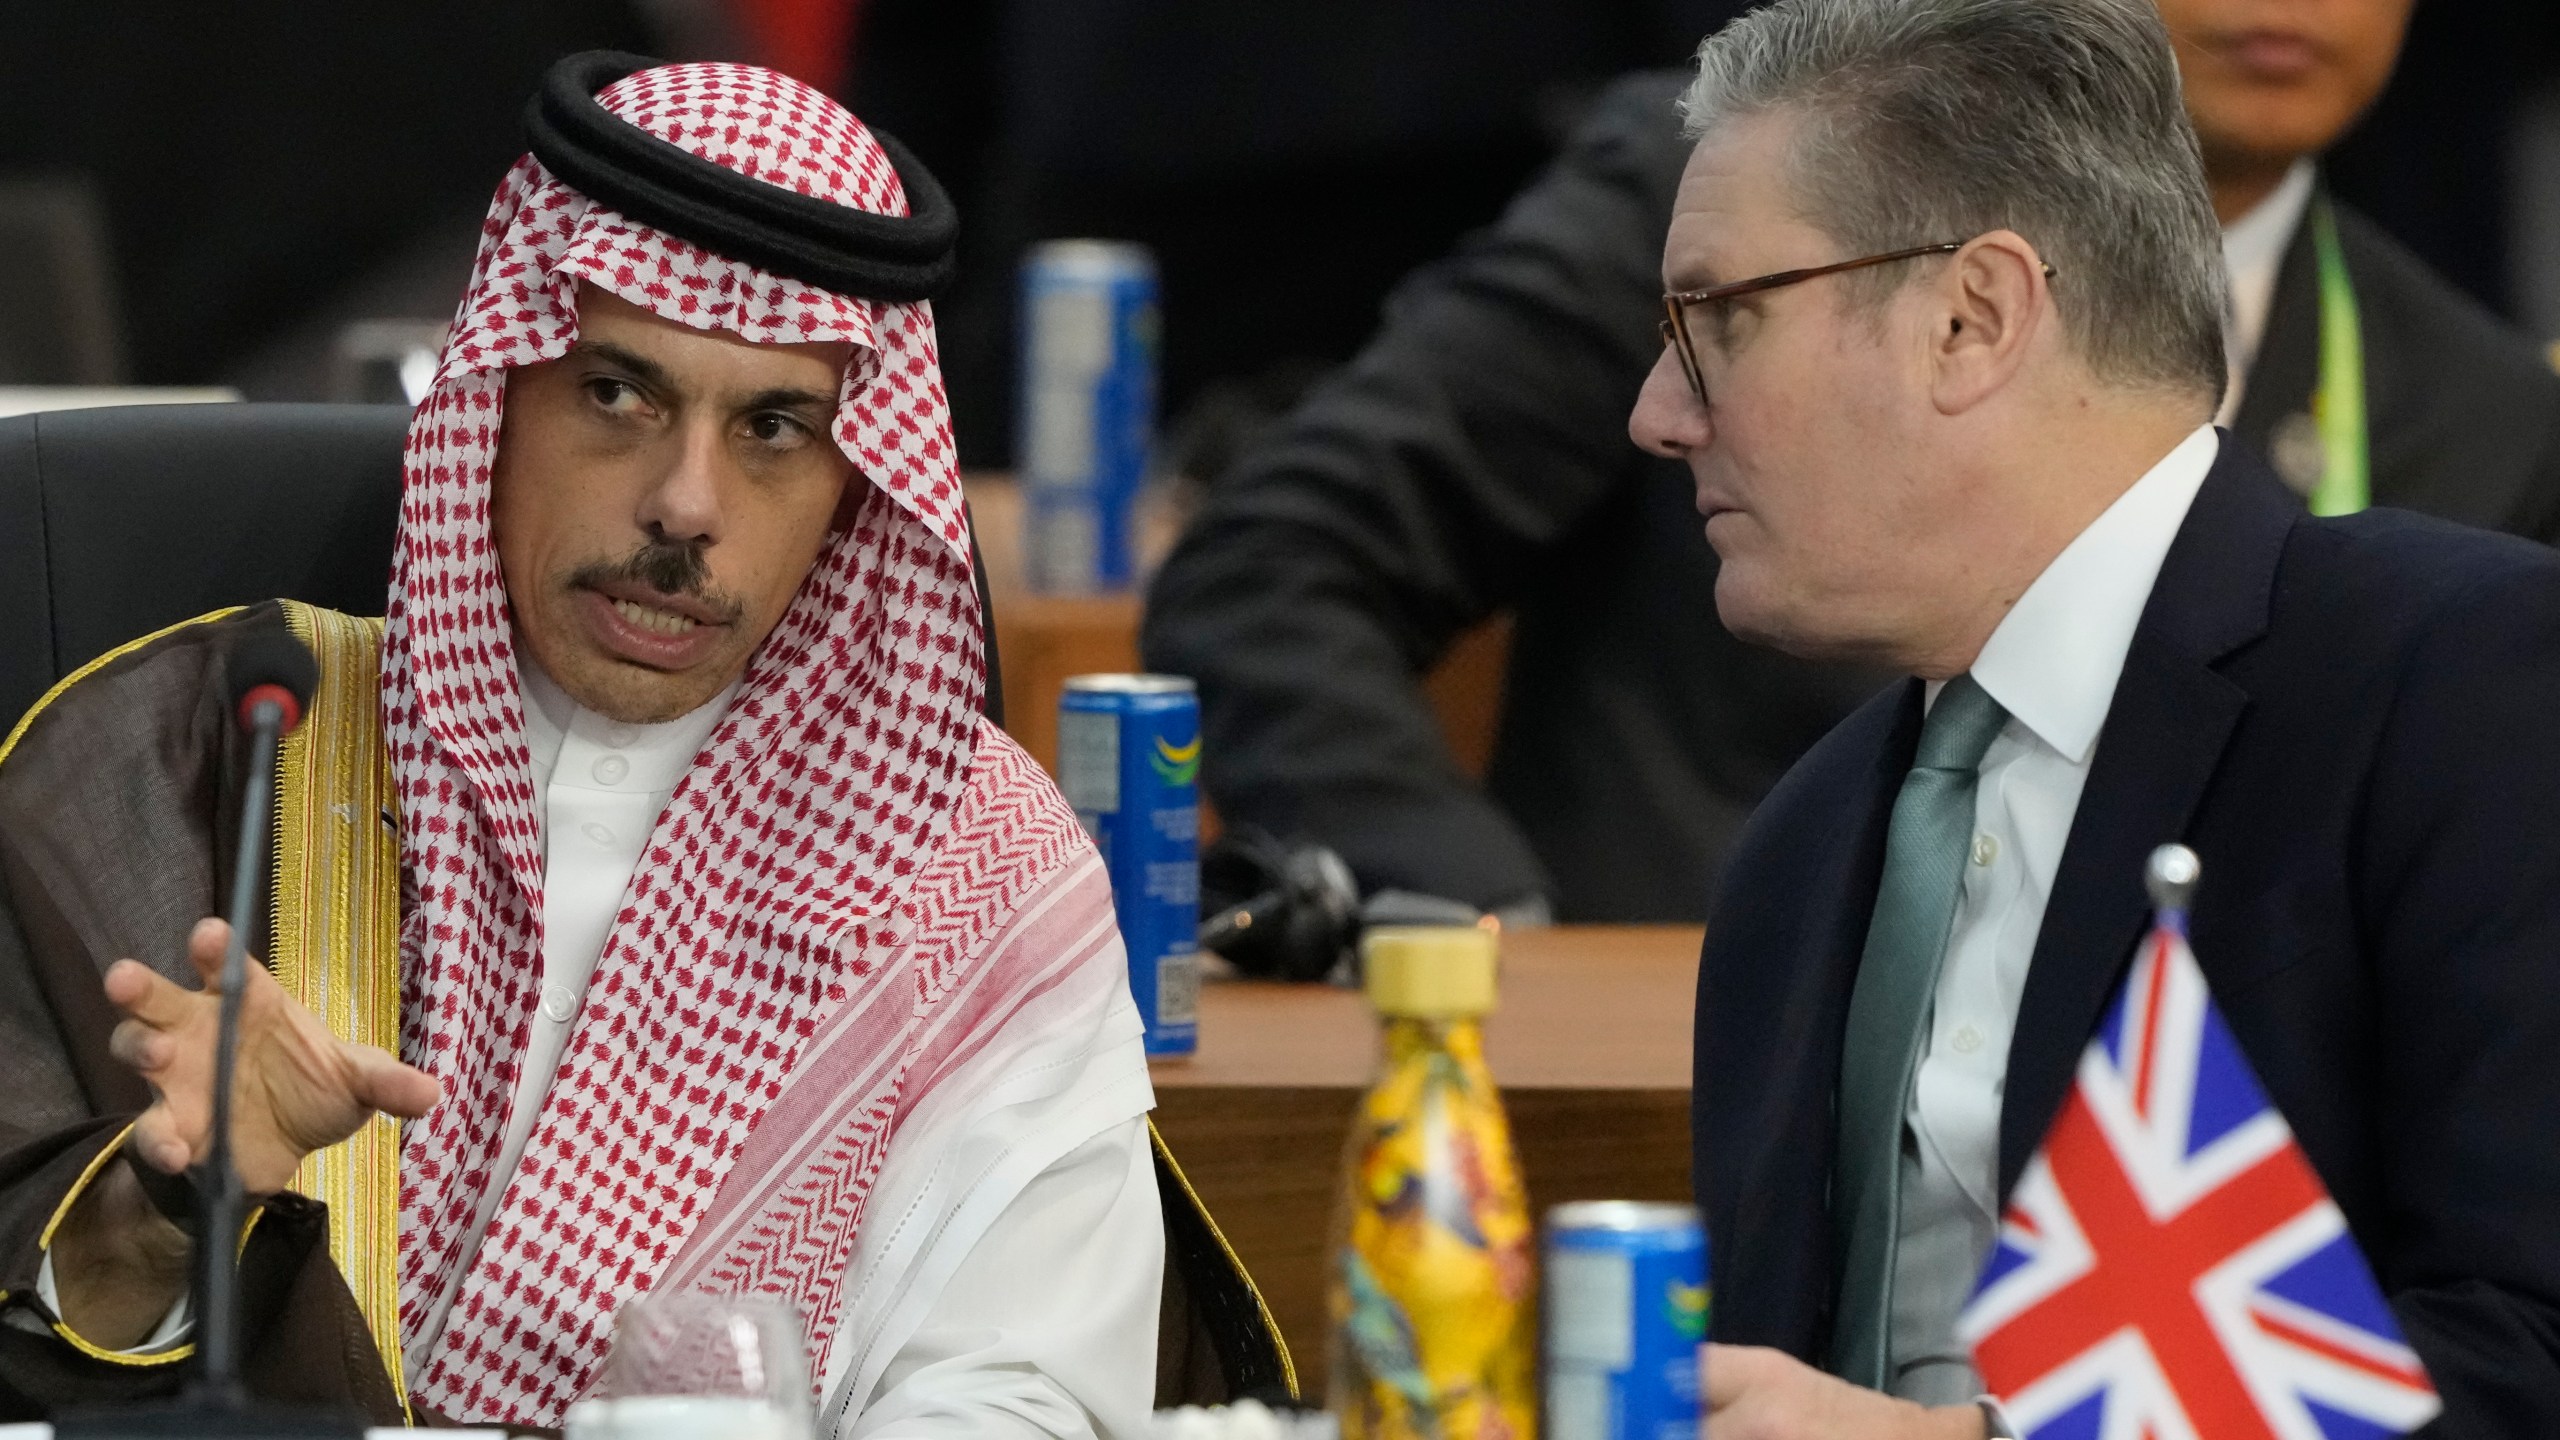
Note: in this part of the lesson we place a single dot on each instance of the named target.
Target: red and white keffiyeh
(779, 899)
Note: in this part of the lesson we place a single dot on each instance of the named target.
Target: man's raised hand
(299, 1088)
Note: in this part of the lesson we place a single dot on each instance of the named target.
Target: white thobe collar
(656, 755)
(2053, 661)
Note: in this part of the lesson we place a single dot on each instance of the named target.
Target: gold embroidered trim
(336, 947)
(1280, 1343)
(170, 1356)
(80, 1187)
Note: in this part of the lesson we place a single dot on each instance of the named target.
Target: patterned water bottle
(1434, 1271)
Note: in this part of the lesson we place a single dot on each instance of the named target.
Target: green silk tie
(1924, 856)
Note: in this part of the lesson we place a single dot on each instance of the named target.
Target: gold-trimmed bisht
(336, 938)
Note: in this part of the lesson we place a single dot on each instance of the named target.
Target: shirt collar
(657, 755)
(2253, 250)
(2260, 237)
(2053, 661)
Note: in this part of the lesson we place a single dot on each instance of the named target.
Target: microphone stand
(221, 1199)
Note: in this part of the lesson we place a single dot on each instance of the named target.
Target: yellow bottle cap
(1429, 972)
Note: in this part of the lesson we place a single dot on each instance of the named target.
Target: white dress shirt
(2253, 249)
(2052, 664)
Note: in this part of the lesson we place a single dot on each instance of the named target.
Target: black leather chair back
(117, 522)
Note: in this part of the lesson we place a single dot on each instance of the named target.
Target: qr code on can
(1178, 988)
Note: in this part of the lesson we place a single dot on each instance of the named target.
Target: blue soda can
(1129, 762)
(1088, 410)
(1626, 1311)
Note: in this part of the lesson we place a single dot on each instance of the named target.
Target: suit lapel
(2418, 461)
(1838, 897)
(2172, 715)
(1781, 955)
(1843, 896)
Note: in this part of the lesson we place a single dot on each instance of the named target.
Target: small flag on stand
(2170, 1267)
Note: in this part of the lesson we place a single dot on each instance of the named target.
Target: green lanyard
(2337, 408)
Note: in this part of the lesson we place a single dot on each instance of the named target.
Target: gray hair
(1931, 120)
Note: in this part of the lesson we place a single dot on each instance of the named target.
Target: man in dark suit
(2269, 87)
(1946, 343)
(1471, 462)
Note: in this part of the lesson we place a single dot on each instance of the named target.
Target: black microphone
(269, 682)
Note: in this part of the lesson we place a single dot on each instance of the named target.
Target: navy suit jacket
(2355, 722)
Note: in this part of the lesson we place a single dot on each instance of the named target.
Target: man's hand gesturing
(300, 1088)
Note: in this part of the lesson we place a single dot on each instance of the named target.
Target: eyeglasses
(1675, 305)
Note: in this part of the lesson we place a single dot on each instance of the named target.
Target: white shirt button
(558, 1004)
(1986, 848)
(611, 769)
(596, 832)
(617, 734)
(1968, 1039)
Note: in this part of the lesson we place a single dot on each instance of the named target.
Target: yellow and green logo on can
(1177, 764)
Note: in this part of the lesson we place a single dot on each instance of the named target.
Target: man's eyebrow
(788, 398)
(640, 366)
(650, 372)
(1689, 272)
(1696, 272)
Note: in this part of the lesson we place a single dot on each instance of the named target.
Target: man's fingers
(145, 995)
(205, 945)
(139, 1047)
(155, 1138)
(127, 982)
(382, 1083)
(1729, 1371)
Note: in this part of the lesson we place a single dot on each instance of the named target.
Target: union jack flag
(2170, 1267)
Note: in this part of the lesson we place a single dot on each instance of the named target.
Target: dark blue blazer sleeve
(2460, 894)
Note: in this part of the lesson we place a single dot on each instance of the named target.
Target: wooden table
(1590, 1047)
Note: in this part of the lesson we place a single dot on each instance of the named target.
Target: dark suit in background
(2352, 723)
(2463, 415)
(1474, 459)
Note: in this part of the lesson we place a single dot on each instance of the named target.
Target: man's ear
(1993, 301)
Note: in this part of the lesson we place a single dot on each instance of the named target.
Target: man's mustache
(669, 567)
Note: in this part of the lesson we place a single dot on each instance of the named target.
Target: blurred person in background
(1473, 460)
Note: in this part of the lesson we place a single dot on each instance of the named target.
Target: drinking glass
(700, 1367)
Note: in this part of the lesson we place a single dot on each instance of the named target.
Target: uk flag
(2170, 1267)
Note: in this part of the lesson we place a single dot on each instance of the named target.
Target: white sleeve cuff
(175, 1329)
